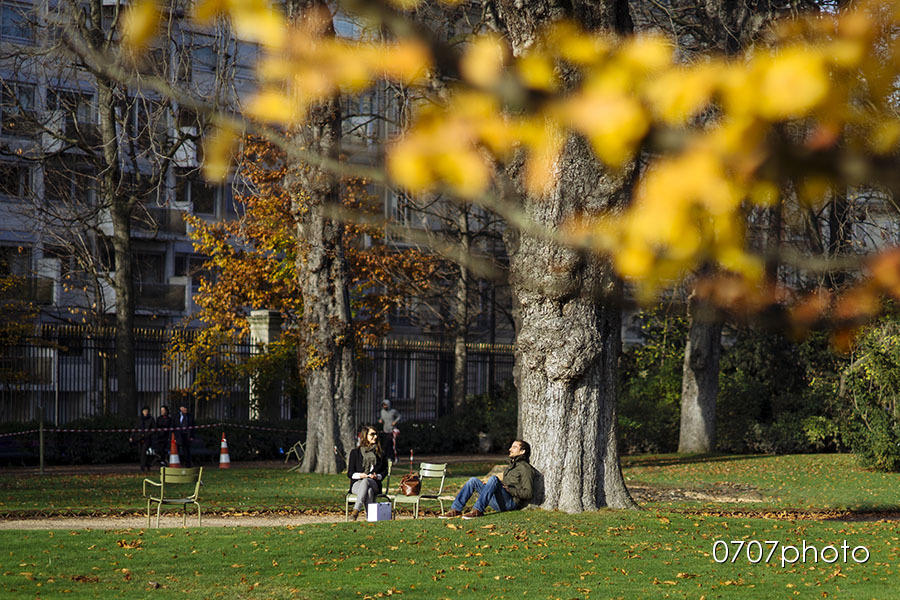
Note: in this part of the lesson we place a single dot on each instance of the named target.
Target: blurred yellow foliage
(715, 131)
(139, 24)
(218, 149)
(483, 61)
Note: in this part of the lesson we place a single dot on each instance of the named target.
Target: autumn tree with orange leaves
(252, 264)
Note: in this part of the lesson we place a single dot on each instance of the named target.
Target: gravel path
(172, 520)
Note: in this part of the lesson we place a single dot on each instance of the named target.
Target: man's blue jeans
(489, 494)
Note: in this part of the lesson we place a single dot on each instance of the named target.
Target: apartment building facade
(56, 229)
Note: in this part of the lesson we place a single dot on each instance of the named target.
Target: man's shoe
(450, 514)
(354, 514)
(473, 514)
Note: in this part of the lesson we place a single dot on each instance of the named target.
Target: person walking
(144, 436)
(164, 426)
(511, 491)
(185, 434)
(366, 467)
(389, 419)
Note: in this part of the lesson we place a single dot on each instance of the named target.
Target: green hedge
(870, 396)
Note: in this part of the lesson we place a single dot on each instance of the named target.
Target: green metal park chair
(426, 491)
(173, 483)
(350, 498)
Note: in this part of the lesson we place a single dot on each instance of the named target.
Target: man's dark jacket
(518, 479)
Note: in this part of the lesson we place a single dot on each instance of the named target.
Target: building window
(68, 183)
(246, 59)
(150, 268)
(67, 261)
(15, 180)
(204, 54)
(15, 261)
(207, 200)
(15, 23)
(77, 111)
(147, 123)
(17, 108)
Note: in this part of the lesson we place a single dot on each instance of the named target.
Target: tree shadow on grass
(668, 460)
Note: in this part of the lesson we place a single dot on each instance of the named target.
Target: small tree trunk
(461, 322)
(120, 209)
(700, 379)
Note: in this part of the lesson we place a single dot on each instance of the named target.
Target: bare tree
(108, 155)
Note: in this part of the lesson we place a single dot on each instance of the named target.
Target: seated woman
(366, 467)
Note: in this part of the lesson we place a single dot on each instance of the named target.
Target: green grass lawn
(663, 551)
(532, 554)
(800, 481)
(234, 490)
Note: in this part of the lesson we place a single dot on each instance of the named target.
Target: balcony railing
(164, 220)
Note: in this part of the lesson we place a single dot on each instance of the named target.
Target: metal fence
(68, 372)
(418, 377)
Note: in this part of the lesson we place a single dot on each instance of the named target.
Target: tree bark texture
(121, 207)
(569, 332)
(461, 320)
(700, 379)
(322, 270)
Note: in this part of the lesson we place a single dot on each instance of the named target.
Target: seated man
(510, 491)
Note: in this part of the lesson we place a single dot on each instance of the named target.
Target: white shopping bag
(378, 511)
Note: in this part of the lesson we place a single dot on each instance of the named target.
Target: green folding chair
(350, 499)
(426, 492)
(170, 489)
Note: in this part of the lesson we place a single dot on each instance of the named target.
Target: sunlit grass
(606, 554)
(802, 481)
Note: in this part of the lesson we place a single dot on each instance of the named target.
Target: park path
(115, 523)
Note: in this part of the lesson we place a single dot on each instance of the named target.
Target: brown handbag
(410, 485)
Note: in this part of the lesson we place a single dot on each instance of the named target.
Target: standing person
(185, 436)
(164, 426)
(366, 467)
(389, 419)
(144, 436)
(510, 491)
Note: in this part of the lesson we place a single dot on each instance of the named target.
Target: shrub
(778, 396)
(650, 384)
(869, 393)
(458, 432)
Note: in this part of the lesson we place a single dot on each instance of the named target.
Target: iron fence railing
(418, 377)
(68, 372)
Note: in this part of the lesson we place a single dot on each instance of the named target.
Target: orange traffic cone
(224, 459)
(174, 461)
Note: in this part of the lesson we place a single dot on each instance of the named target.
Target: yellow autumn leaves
(706, 127)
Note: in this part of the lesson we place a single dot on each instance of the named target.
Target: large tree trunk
(700, 379)
(569, 337)
(567, 348)
(322, 269)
